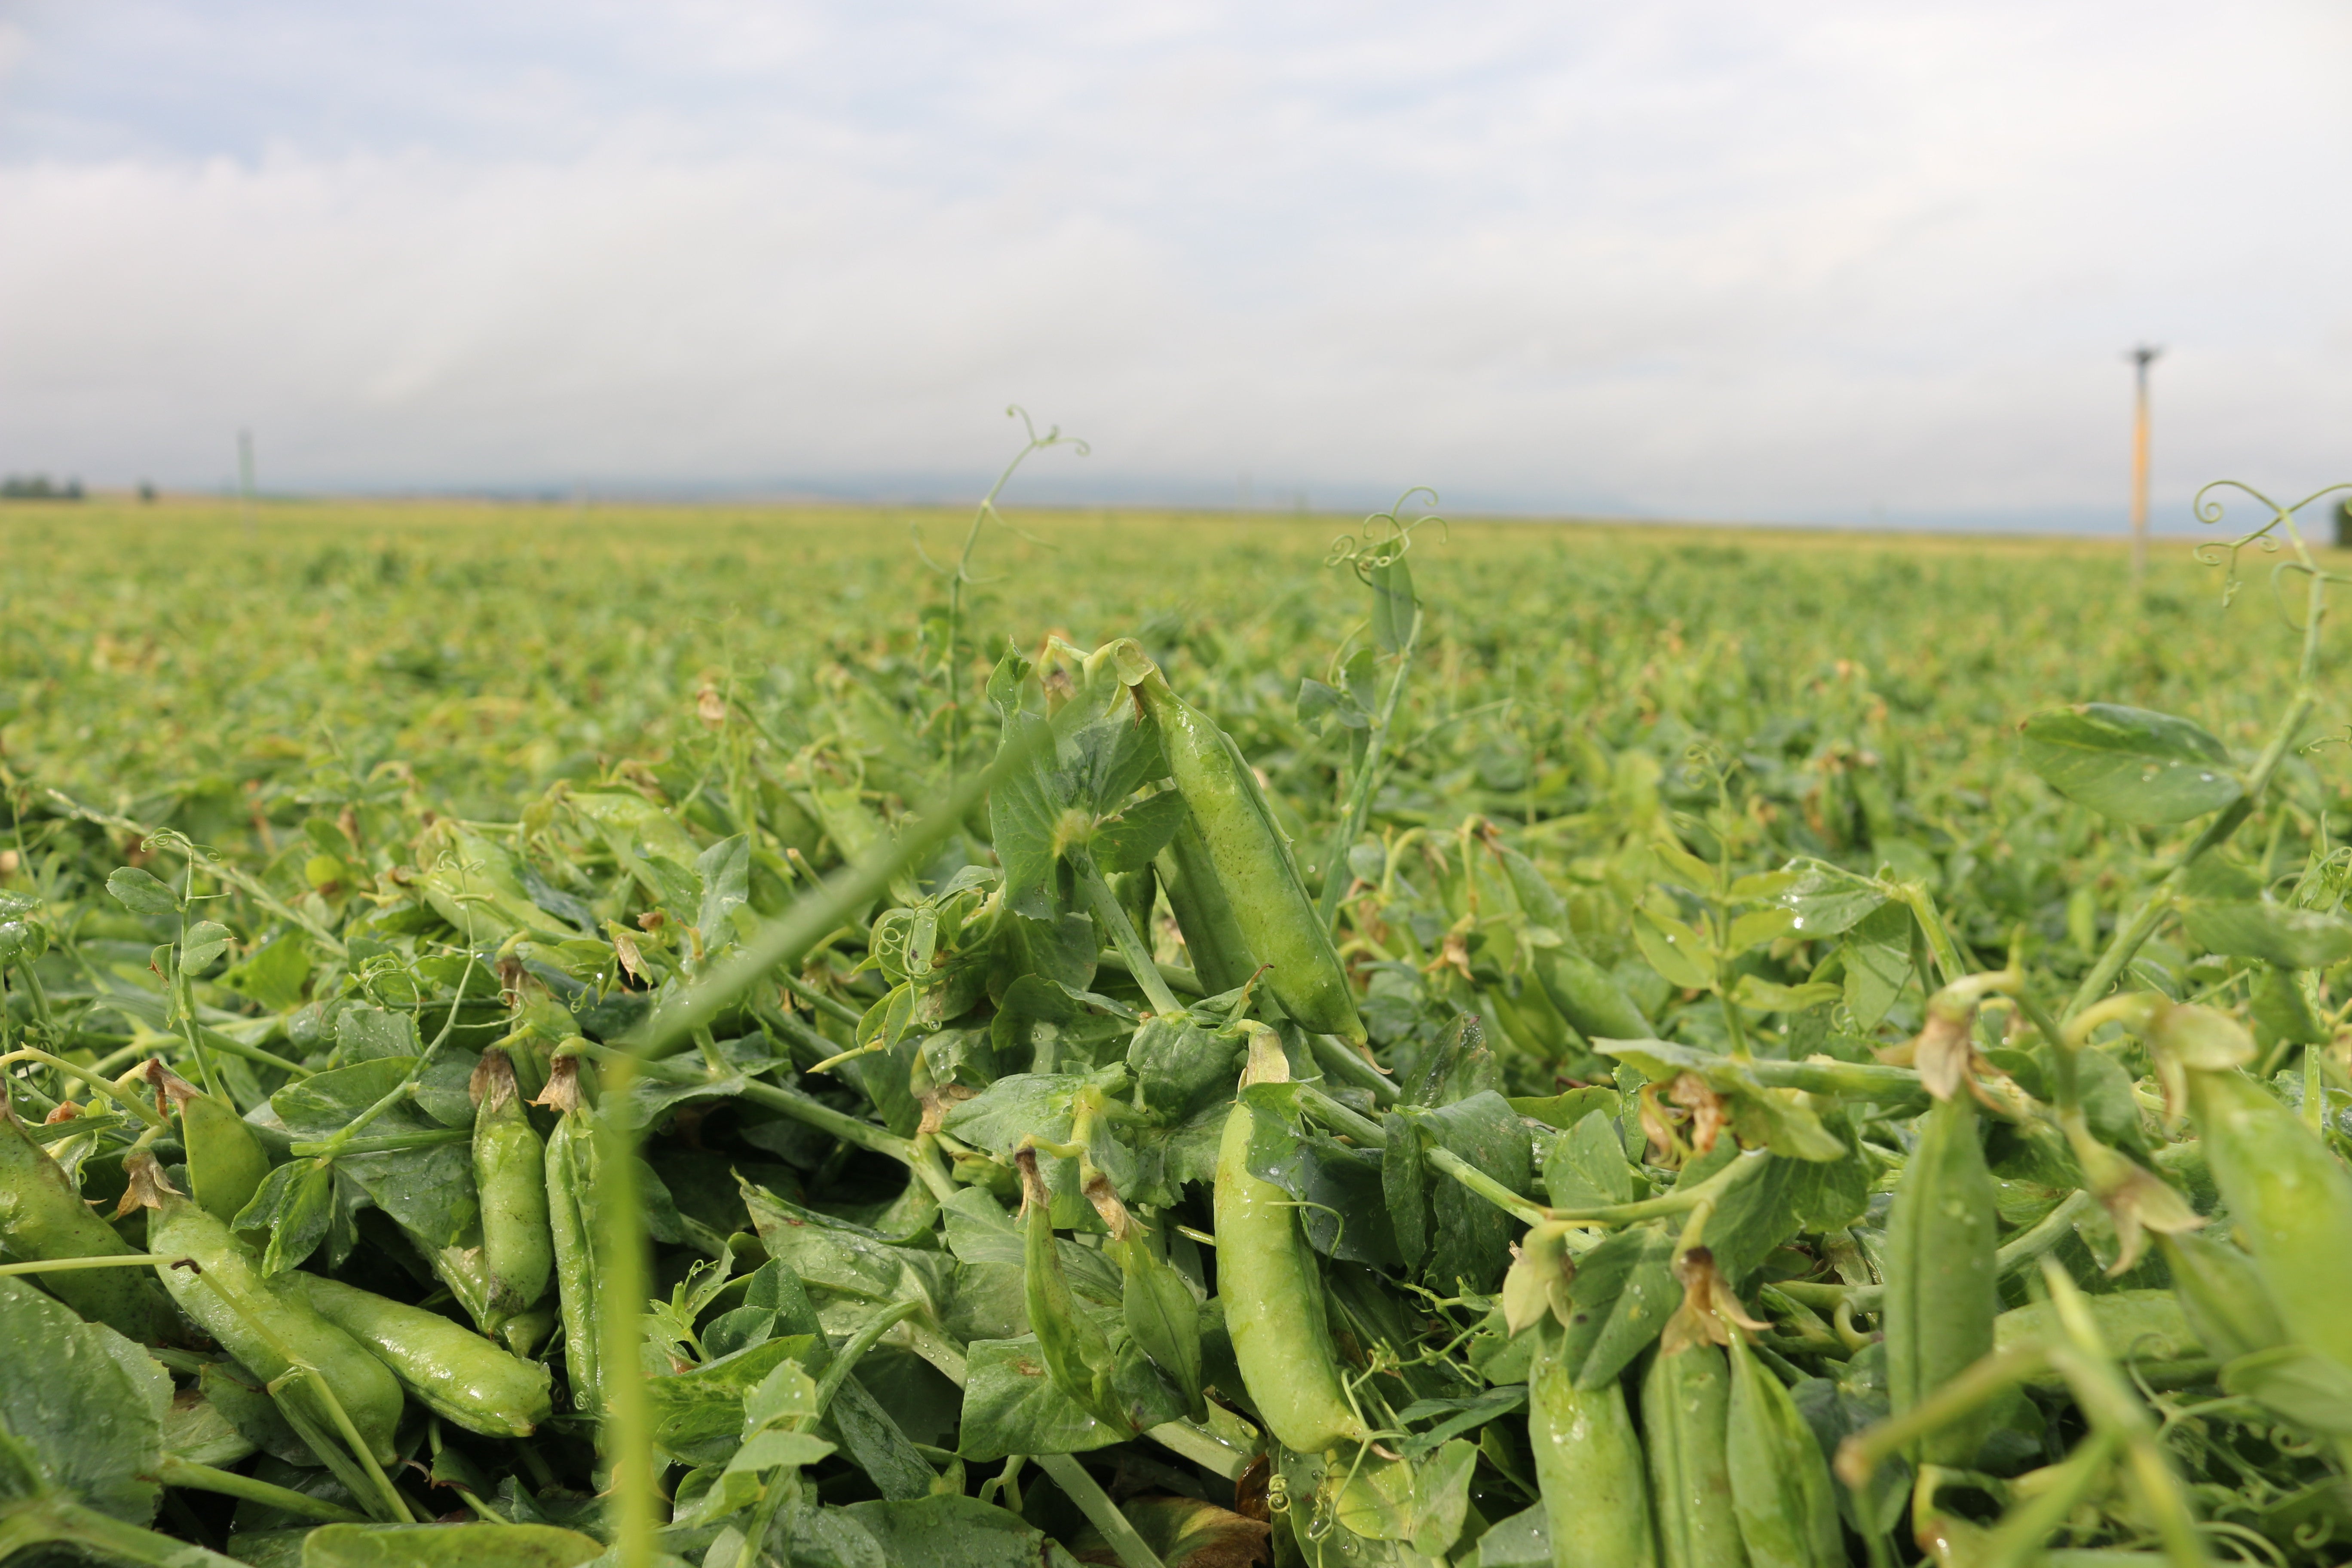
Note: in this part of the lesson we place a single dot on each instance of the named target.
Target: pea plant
(1315, 1076)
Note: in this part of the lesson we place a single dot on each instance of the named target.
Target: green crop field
(700, 1033)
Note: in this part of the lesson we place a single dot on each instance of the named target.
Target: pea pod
(264, 1325)
(571, 1177)
(1221, 955)
(510, 1174)
(1686, 1414)
(1076, 1353)
(1596, 1495)
(1941, 1274)
(2292, 1200)
(1253, 861)
(2221, 1296)
(226, 1164)
(42, 1217)
(454, 1372)
(1780, 1489)
(1588, 999)
(1273, 1296)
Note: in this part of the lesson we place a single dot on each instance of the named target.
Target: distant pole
(2141, 357)
(245, 475)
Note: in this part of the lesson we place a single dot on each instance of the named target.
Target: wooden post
(2141, 357)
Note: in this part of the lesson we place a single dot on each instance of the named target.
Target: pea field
(847, 1037)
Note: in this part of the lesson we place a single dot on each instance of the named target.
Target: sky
(1840, 262)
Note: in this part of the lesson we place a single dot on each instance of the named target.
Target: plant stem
(1081, 1489)
(179, 1472)
(1107, 909)
(1359, 806)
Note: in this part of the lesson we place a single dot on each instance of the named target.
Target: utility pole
(2141, 357)
(245, 475)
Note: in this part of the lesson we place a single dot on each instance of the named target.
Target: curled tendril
(2210, 509)
(961, 571)
(1384, 537)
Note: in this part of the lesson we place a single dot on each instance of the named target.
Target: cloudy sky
(1830, 261)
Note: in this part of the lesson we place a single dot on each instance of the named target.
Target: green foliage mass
(830, 935)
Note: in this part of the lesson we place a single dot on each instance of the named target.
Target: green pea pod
(1588, 998)
(226, 1164)
(1137, 893)
(1273, 1295)
(43, 1217)
(1162, 1317)
(454, 1372)
(1076, 1353)
(1221, 955)
(510, 1174)
(571, 1177)
(2292, 1200)
(1942, 1290)
(1780, 1488)
(523, 1333)
(1686, 1414)
(266, 1325)
(1261, 880)
(1596, 1496)
(2221, 1296)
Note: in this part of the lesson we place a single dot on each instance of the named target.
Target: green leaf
(447, 1546)
(1675, 950)
(1011, 1405)
(86, 1403)
(2290, 938)
(957, 1532)
(1827, 900)
(698, 1415)
(1565, 1110)
(1586, 1167)
(141, 893)
(1624, 1292)
(2306, 1387)
(1472, 1238)
(1128, 842)
(429, 1191)
(206, 941)
(2130, 763)
(1760, 928)
(1877, 954)
(1392, 611)
(725, 869)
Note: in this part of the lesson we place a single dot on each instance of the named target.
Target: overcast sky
(1822, 261)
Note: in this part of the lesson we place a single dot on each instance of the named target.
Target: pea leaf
(140, 893)
(1585, 1167)
(1011, 1405)
(1624, 1290)
(86, 1403)
(959, 1533)
(1827, 900)
(2288, 937)
(2130, 763)
(726, 871)
(206, 941)
(1127, 841)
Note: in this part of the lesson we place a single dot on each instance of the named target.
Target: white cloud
(1708, 259)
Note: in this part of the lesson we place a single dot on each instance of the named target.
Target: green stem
(1081, 1489)
(382, 1143)
(179, 1472)
(1859, 1457)
(61, 1265)
(628, 1415)
(33, 1520)
(1338, 1061)
(139, 1107)
(1107, 909)
(1336, 875)
(2014, 1254)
